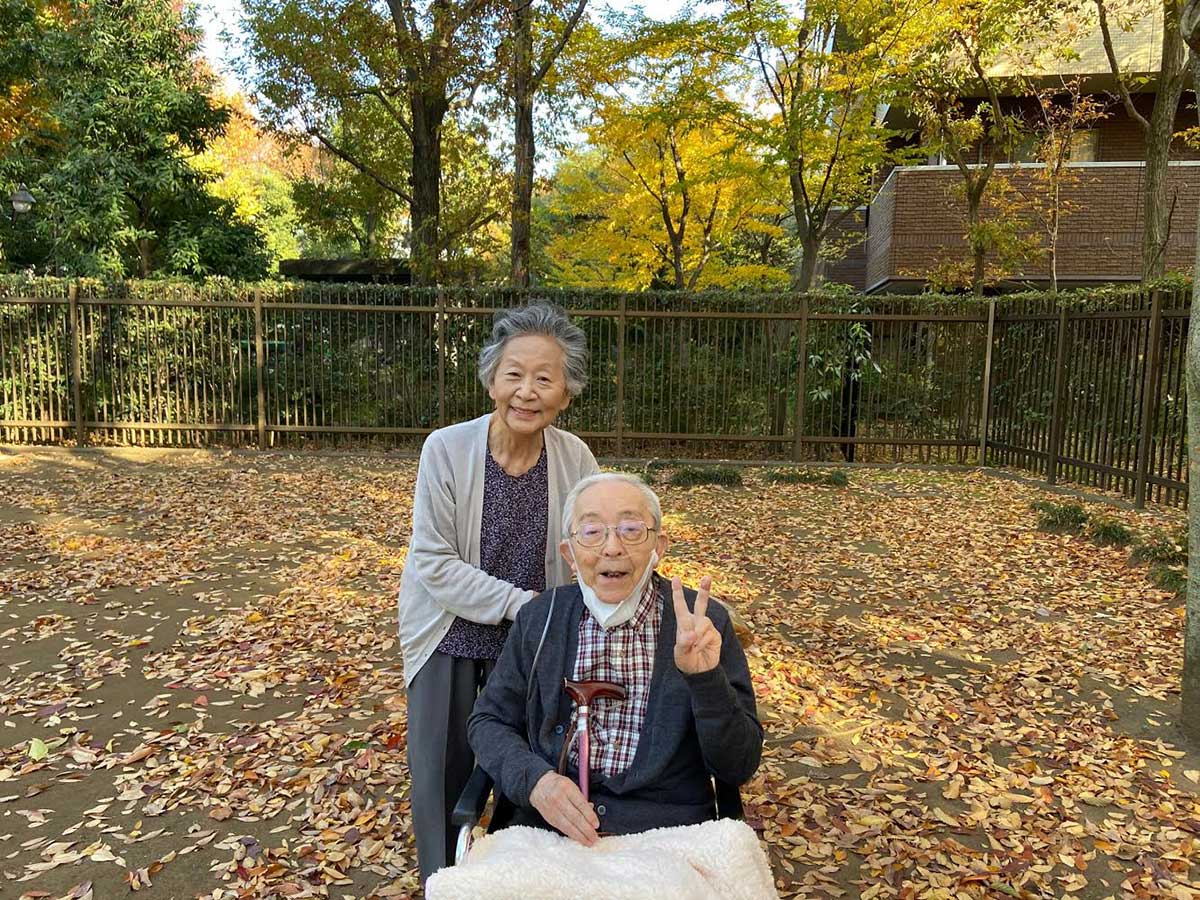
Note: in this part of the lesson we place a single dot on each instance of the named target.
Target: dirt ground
(201, 694)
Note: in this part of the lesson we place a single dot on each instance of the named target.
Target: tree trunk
(523, 145)
(806, 272)
(1156, 204)
(677, 261)
(1157, 201)
(1190, 709)
(1190, 712)
(369, 232)
(428, 110)
(978, 247)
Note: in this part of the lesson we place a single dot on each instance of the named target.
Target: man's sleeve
(497, 727)
(457, 586)
(731, 737)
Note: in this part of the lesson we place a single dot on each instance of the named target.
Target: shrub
(836, 477)
(1060, 517)
(1172, 579)
(687, 476)
(1108, 532)
(1160, 547)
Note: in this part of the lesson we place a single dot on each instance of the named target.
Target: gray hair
(569, 504)
(545, 318)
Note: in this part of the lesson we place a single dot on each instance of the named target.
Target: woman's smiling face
(530, 384)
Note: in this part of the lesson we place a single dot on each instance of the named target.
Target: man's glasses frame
(633, 528)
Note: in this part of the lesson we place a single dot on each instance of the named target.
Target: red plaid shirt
(623, 655)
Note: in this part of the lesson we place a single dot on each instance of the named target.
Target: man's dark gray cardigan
(696, 726)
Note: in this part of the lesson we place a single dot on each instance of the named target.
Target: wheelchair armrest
(473, 799)
(729, 800)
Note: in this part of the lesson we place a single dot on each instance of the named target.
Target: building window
(1026, 150)
(1085, 146)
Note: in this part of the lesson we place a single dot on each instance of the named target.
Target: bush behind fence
(1086, 388)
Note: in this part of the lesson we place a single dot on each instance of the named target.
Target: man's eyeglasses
(593, 534)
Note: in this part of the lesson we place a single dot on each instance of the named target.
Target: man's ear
(564, 550)
(661, 545)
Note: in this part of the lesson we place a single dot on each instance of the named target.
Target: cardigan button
(558, 729)
(602, 810)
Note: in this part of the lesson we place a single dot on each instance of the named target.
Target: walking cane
(583, 693)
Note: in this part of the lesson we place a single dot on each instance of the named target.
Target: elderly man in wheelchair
(621, 704)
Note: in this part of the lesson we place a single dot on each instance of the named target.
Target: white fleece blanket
(720, 860)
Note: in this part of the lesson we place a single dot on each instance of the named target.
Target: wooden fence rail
(1087, 393)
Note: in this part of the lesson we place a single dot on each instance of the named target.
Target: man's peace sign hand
(697, 641)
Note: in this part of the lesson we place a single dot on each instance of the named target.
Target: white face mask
(610, 615)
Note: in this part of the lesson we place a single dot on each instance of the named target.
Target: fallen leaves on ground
(202, 693)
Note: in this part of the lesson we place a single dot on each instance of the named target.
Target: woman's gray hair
(539, 317)
(568, 517)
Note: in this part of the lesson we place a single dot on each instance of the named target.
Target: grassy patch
(689, 476)
(1108, 532)
(834, 477)
(1061, 518)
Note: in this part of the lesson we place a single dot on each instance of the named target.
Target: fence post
(441, 343)
(1054, 450)
(985, 403)
(621, 378)
(259, 361)
(1151, 379)
(801, 371)
(76, 365)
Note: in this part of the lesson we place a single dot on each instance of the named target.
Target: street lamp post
(22, 201)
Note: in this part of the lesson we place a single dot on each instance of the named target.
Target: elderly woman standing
(485, 535)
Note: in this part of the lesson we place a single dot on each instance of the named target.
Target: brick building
(918, 218)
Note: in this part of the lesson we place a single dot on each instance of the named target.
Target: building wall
(880, 226)
(922, 219)
(851, 267)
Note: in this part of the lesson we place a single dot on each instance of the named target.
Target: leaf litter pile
(201, 693)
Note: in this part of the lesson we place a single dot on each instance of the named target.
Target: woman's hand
(561, 804)
(697, 641)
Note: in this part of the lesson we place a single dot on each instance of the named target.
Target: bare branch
(1126, 99)
(348, 157)
(547, 61)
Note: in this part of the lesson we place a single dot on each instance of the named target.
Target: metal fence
(1090, 394)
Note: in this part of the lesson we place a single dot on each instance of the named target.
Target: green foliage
(1172, 579)
(1107, 531)
(690, 476)
(1161, 547)
(388, 91)
(1060, 517)
(127, 106)
(832, 477)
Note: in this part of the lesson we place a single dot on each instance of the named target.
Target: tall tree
(672, 183)
(529, 67)
(1159, 128)
(1065, 113)
(822, 70)
(660, 204)
(22, 90)
(251, 169)
(327, 62)
(958, 62)
(127, 108)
